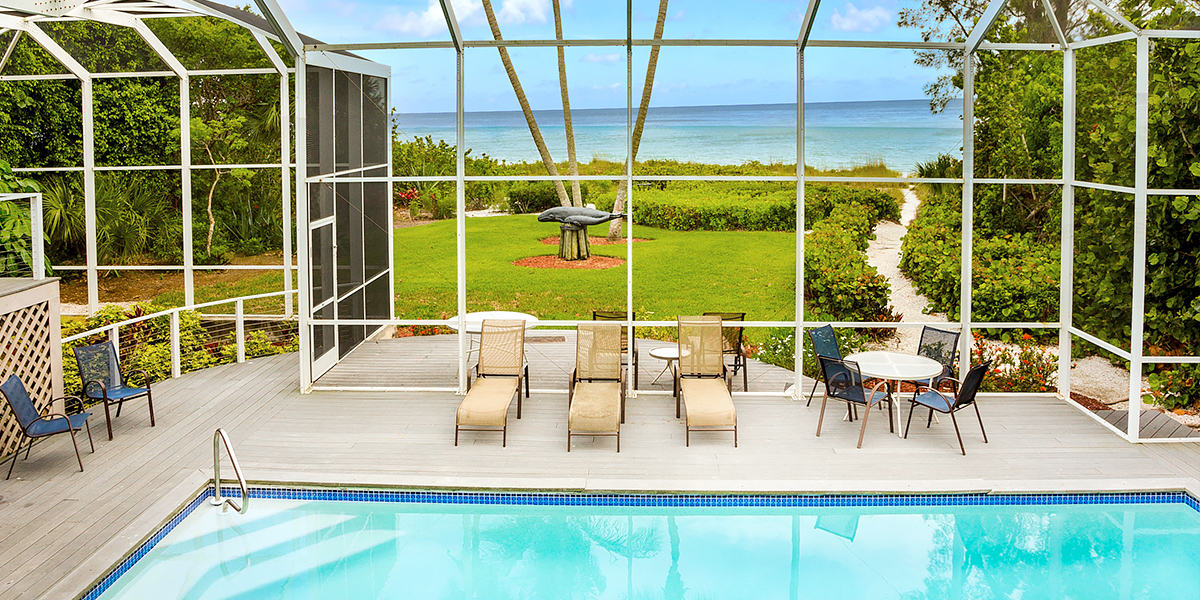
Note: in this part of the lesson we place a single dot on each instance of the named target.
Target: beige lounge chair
(702, 379)
(597, 387)
(498, 378)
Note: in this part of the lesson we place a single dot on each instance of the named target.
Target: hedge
(535, 196)
(838, 280)
(747, 206)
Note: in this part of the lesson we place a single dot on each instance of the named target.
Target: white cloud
(679, 15)
(592, 57)
(854, 19)
(431, 21)
(523, 11)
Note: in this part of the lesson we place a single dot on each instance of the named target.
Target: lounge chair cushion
(486, 404)
(595, 407)
(708, 403)
(52, 426)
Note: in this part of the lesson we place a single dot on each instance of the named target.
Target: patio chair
(596, 395)
(843, 381)
(733, 344)
(824, 344)
(702, 379)
(104, 381)
(498, 376)
(628, 339)
(962, 398)
(35, 426)
(942, 346)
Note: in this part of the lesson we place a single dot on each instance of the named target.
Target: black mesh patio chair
(34, 425)
(940, 402)
(824, 344)
(628, 339)
(103, 381)
(735, 341)
(843, 381)
(942, 346)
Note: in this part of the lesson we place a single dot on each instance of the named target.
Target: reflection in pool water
(327, 549)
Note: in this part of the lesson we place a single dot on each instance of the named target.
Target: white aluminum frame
(37, 242)
(111, 14)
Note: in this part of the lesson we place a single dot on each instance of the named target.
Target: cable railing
(175, 341)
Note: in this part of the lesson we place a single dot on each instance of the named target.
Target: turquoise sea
(837, 134)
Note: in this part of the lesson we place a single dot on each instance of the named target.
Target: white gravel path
(1093, 376)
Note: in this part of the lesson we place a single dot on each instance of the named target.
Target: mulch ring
(552, 261)
(594, 240)
(1089, 402)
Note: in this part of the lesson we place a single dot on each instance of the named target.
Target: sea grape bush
(1178, 387)
(1015, 278)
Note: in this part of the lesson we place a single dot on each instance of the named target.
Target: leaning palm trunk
(577, 252)
(572, 242)
(614, 228)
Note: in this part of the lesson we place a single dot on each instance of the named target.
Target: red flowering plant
(1025, 367)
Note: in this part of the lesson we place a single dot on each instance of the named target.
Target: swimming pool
(296, 543)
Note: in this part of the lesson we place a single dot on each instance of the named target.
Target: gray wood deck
(1151, 425)
(432, 361)
(59, 528)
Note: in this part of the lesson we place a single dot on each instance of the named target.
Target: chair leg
(90, 442)
(863, 430)
(76, 444)
(929, 422)
(526, 386)
(687, 436)
(108, 419)
(119, 406)
(519, 398)
(821, 416)
(150, 402)
(891, 419)
(960, 443)
(980, 417)
(456, 435)
(735, 436)
(912, 409)
(618, 441)
(745, 375)
(814, 391)
(14, 460)
(504, 436)
(568, 440)
(27, 450)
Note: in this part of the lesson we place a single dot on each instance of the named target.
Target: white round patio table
(475, 319)
(667, 353)
(895, 366)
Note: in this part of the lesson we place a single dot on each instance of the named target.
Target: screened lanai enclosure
(343, 195)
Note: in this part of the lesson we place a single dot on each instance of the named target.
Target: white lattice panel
(26, 343)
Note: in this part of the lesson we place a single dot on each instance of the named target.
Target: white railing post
(114, 336)
(36, 235)
(240, 328)
(175, 354)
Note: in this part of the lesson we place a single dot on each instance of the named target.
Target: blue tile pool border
(642, 500)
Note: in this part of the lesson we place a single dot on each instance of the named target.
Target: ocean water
(358, 550)
(900, 133)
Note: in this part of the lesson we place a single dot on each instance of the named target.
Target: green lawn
(674, 273)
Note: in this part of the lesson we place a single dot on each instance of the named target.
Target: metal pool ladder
(220, 437)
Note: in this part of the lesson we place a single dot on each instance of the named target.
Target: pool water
(324, 549)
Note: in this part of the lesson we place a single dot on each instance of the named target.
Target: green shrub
(838, 279)
(748, 206)
(1177, 387)
(1015, 278)
(535, 196)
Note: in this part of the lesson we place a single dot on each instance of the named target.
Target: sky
(423, 80)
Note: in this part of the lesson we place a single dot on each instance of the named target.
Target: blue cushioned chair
(34, 425)
(103, 380)
(843, 381)
(964, 397)
(824, 344)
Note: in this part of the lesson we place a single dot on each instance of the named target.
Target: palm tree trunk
(614, 226)
(572, 243)
(547, 160)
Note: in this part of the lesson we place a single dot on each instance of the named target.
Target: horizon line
(678, 106)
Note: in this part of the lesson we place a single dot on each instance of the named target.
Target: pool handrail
(220, 437)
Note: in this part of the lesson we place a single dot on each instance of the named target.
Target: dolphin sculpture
(577, 218)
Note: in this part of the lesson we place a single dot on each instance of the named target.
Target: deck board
(53, 518)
